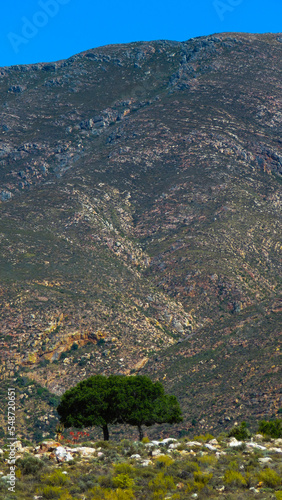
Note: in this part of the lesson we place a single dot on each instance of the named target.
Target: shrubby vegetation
(182, 472)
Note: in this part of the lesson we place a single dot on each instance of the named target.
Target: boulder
(62, 455)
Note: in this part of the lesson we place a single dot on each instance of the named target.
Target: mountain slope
(140, 189)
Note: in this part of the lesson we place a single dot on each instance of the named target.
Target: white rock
(100, 454)
(276, 450)
(234, 443)
(265, 460)
(135, 456)
(85, 451)
(173, 446)
(213, 441)
(194, 443)
(62, 455)
(1, 451)
(168, 440)
(210, 447)
(254, 489)
(145, 463)
(255, 445)
(156, 453)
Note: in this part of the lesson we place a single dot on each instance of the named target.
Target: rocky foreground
(204, 467)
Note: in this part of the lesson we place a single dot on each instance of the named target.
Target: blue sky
(48, 30)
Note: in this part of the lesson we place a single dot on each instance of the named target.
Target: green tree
(100, 401)
(143, 402)
(88, 404)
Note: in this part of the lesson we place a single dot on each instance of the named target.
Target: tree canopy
(117, 399)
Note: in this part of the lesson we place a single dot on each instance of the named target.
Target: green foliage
(98, 493)
(234, 478)
(270, 478)
(57, 478)
(201, 479)
(123, 481)
(162, 482)
(125, 468)
(240, 432)
(163, 461)
(204, 438)
(134, 400)
(51, 492)
(278, 495)
(30, 465)
(272, 428)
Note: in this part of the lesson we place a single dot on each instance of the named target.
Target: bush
(201, 479)
(57, 478)
(270, 478)
(204, 438)
(123, 481)
(162, 482)
(125, 468)
(278, 495)
(271, 428)
(29, 465)
(52, 492)
(164, 461)
(234, 478)
(240, 432)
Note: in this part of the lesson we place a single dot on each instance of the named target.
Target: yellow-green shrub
(52, 492)
(145, 439)
(201, 479)
(162, 482)
(164, 461)
(204, 438)
(270, 478)
(123, 481)
(100, 494)
(125, 468)
(278, 495)
(207, 460)
(234, 478)
(57, 478)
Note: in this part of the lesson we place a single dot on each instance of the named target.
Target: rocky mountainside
(139, 232)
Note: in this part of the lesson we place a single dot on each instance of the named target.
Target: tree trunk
(141, 435)
(106, 432)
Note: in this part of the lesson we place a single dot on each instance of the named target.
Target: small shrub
(240, 432)
(207, 460)
(29, 465)
(52, 492)
(234, 478)
(201, 479)
(270, 478)
(164, 461)
(125, 468)
(162, 482)
(123, 481)
(145, 440)
(271, 428)
(204, 438)
(57, 478)
(278, 495)
(100, 494)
